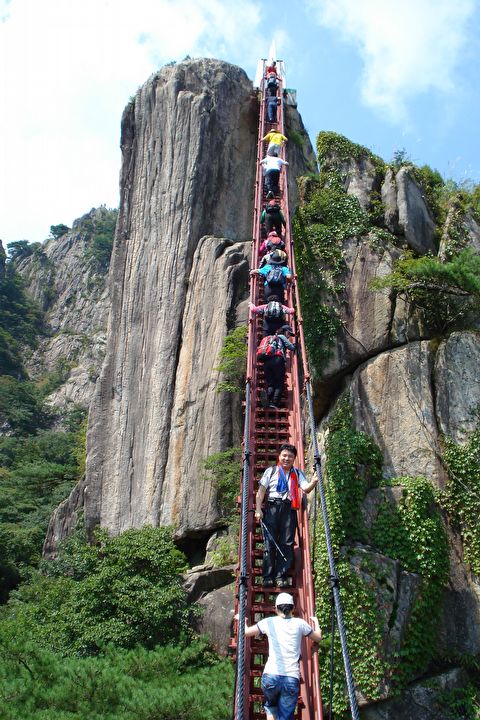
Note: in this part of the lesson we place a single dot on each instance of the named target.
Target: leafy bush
(411, 531)
(124, 590)
(36, 473)
(224, 471)
(20, 407)
(20, 321)
(232, 360)
(461, 496)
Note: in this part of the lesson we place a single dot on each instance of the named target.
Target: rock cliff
(407, 367)
(67, 277)
(178, 277)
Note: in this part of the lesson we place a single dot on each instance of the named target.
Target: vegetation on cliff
(105, 631)
(411, 531)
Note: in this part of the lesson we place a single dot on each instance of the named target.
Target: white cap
(284, 599)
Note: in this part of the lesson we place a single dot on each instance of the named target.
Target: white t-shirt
(272, 163)
(284, 643)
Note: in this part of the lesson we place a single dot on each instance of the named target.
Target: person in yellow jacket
(275, 141)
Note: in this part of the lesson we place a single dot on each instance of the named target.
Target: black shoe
(264, 398)
(267, 582)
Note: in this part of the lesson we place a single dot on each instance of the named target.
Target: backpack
(271, 245)
(275, 277)
(274, 311)
(269, 346)
(272, 208)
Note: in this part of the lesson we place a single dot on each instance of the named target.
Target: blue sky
(389, 74)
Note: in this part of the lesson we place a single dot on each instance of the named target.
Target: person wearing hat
(281, 674)
(278, 254)
(280, 485)
(275, 276)
(275, 141)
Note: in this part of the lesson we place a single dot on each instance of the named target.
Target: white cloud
(408, 47)
(67, 70)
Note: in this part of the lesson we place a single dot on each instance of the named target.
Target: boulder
(457, 385)
(371, 321)
(217, 610)
(389, 200)
(395, 591)
(460, 230)
(202, 579)
(414, 217)
(420, 701)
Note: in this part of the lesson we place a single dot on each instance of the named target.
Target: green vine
(410, 531)
(461, 497)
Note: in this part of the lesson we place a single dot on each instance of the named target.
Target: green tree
(20, 408)
(56, 231)
(19, 249)
(124, 590)
(447, 292)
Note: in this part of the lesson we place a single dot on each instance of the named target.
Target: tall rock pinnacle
(178, 272)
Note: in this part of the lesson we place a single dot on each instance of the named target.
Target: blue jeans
(281, 695)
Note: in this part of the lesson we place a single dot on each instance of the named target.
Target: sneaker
(274, 407)
(281, 582)
(267, 582)
(270, 195)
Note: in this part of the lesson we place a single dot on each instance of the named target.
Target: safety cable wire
(332, 654)
(315, 503)
(333, 571)
(240, 676)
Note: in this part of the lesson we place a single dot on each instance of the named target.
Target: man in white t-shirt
(281, 675)
(271, 167)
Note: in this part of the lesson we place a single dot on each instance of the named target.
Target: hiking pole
(264, 527)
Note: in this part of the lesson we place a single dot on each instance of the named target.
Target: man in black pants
(274, 368)
(281, 484)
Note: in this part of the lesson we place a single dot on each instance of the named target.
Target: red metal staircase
(266, 430)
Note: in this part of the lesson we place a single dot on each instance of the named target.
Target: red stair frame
(270, 428)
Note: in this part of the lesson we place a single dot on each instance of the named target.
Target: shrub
(124, 590)
(172, 682)
(232, 360)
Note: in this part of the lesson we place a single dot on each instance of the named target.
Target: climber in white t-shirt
(281, 675)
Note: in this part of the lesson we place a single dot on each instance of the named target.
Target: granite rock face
(420, 701)
(370, 321)
(393, 403)
(457, 385)
(64, 279)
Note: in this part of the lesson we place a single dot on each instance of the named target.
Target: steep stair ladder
(265, 430)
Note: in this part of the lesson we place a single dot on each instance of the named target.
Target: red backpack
(269, 346)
